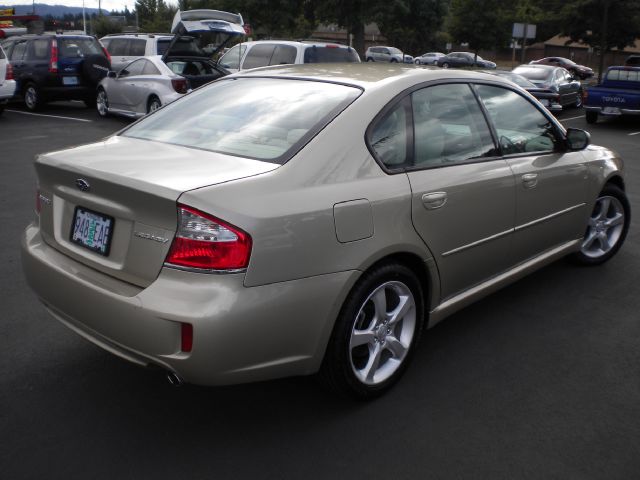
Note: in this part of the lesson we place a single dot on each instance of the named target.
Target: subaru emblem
(82, 184)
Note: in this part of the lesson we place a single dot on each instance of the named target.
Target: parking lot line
(571, 118)
(51, 116)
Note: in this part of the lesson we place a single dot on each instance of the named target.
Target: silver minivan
(384, 54)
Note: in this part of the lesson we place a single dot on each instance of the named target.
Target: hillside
(54, 10)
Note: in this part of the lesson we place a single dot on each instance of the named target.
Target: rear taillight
(9, 74)
(53, 62)
(180, 85)
(186, 337)
(204, 242)
(106, 54)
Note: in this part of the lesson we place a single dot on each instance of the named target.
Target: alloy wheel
(154, 105)
(102, 104)
(31, 97)
(605, 227)
(382, 333)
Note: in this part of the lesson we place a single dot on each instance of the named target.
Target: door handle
(530, 180)
(434, 200)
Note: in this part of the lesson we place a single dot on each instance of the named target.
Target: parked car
(617, 95)
(429, 58)
(7, 83)
(545, 96)
(464, 59)
(567, 90)
(126, 47)
(407, 58)
(141, 87)
(291, 220)
(579, 71)
(262, 53)
(384, 54)
(56, 67)
(632, 61)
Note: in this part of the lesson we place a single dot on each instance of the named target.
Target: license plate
(70, 80)
(92, 230)
(611, 110)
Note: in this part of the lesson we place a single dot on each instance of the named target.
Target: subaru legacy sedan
(313, 219)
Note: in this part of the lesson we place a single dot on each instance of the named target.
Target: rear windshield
(70, 47)
(260, 118)
(624, 75)
(163, 44)
(537, 74)
(316, 54)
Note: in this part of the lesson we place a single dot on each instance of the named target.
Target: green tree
(155, 15)
(483, 24)
(352, 15)
(602, 24)
(103, 25)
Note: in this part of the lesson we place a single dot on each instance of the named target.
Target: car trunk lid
(127, 195)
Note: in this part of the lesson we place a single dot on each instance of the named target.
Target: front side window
(134, 68)
(449, 127)
(259, 56)
(258, 118)
(520, 126)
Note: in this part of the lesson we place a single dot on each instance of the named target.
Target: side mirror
(111, 74)
(577, 139)
(123, 73)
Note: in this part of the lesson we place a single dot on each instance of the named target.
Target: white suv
(7, 82)
(125, 47)
(282, 52)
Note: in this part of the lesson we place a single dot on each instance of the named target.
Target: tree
(483, 24)
(411, 25)
(155, 15)
(349, 14)
(602, 24)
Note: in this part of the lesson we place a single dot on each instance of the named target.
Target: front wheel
(578, 103)
(591, 117)
(375, 333)
(445, 65)
(102, 103)
(607, 227)
(417, 62)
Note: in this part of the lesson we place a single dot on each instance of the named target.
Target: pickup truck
(618, 94)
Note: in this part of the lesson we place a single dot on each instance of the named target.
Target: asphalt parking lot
(540, 380)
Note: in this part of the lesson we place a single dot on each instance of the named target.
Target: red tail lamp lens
(208, 243)
(186, 333)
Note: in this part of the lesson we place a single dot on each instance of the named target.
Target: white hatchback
(7, 82)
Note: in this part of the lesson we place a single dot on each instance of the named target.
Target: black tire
(94, 68)
(578, 102)
(32, 97)
(611, 203)
(153, 104)
(445, 65)
(102, 102)
(2, 107)
(342, 361)
(591, 117)
(393, 60)
(369, 59)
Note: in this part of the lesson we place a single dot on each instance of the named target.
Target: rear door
(462, 192)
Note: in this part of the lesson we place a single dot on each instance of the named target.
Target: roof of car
(306, 43)
(365, 75)
(538, 66)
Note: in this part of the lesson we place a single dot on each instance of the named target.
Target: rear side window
(330, 54)
(163, 45)
(283, 55)
(624, 75)
(135, 68)
(137, 47)
(389, 137)
(258, 56)
(78, 47)
(39, 49)
(259, 118)
(18, 51)
(150, 69)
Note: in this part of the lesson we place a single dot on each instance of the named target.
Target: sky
(106, 4)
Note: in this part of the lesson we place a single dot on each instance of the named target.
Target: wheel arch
(616, 180)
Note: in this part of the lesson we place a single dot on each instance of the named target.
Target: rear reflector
(204, 242)
(186, 333)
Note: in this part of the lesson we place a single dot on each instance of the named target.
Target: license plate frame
(93, 219)
(70, 80)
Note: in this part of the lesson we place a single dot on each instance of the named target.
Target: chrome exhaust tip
(174, 379)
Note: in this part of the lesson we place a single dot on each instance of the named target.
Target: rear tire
(153, 104)
(578, 103)
(32, 97)
(591, 117)
(606, 229)
(369, 59)
(417, 62)
(375, 334)
(445, 65)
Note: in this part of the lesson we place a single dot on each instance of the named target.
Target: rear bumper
(623, 111)
(7, 89)
(239, 334)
